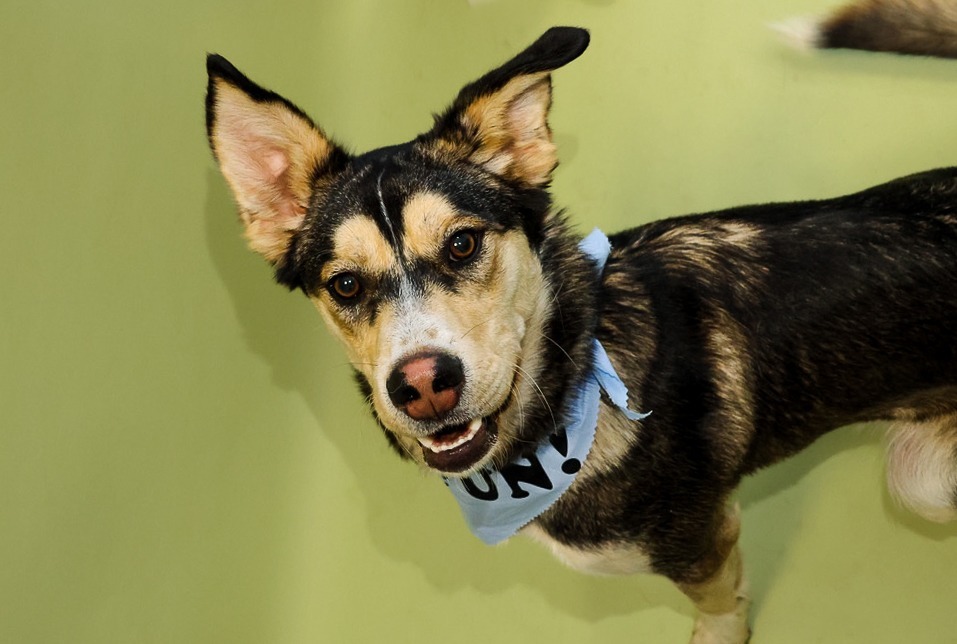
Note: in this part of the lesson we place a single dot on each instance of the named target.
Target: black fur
(851, 316)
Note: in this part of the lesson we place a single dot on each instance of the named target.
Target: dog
(620, 387)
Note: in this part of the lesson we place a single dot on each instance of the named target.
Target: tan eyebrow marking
(359, 245)
(427, 217)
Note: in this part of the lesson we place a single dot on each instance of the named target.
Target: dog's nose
(426, 386)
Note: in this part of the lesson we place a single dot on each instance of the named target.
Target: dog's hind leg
(722, 597)
(922, 466)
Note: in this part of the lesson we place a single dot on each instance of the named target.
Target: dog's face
(432, 285)
(423, 258)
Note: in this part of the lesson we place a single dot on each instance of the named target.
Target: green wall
(182, 455)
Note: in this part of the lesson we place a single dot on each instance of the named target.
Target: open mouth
(459, 447)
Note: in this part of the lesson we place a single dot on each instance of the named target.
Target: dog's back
(776, 323)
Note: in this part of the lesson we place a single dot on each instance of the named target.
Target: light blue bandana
(499, 503)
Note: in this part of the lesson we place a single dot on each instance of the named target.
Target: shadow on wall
(304, 358)
(775, 536)
(846, 63)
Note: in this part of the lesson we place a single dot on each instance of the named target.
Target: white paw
(729, 628)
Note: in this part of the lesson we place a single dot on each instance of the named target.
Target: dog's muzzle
(427, 386)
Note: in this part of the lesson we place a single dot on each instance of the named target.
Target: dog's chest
(614, 438)
(605, 559)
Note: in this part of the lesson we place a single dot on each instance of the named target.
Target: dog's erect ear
(500, 121)
(272, 155)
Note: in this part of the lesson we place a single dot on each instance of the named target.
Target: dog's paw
(728, 628)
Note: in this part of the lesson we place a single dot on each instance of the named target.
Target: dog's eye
(345, 286)
(463, 245)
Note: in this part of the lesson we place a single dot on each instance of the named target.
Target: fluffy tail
(917, 27)
(922, 467)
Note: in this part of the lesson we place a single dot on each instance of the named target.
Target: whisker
(558, 305)
(354, 365)
(540, 393)
(560, 348)
(404, 448)
(521, 410)
(476, 326)
(514, 390)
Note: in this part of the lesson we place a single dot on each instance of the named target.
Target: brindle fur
(749, 332)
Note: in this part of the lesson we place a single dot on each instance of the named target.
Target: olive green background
(183, 457)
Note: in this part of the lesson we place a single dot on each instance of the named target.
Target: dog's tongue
(457, 448)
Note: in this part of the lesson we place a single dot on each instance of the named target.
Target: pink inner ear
(277, 162)
(528, 112)
(530, 153)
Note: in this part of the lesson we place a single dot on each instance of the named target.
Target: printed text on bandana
(517, 474)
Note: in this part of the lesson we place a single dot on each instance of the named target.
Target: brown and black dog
(472, 319)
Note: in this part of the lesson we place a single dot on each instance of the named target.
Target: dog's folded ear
(272, 155)
(500, 121)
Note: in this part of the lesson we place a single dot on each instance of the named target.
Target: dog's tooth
(470, 432)
(461, 440)
(437, 447)
(432, 445)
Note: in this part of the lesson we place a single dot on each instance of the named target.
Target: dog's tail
(917, 27)
(922, 466)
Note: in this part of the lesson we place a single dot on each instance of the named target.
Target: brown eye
(463, 245)
(345, 286)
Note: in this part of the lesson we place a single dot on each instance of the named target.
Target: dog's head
(424, 258)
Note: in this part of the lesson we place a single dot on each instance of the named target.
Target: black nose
(426, 386)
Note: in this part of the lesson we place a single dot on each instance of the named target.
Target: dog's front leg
(722, 604)
(721, 595)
